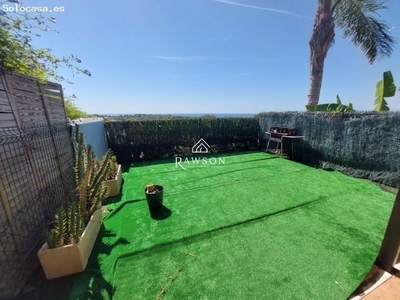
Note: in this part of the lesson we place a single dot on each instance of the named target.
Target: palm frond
(359, 20)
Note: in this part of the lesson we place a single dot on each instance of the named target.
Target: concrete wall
(94, 135)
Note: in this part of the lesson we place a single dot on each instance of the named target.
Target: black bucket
(154, 201)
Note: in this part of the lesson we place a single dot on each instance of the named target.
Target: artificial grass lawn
(257, 227)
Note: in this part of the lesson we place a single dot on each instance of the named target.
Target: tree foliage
(17, 52)
(360, 21)
(72, 110)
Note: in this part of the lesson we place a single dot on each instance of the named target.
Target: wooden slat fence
(36, 171)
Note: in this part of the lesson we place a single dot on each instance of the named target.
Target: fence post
(5, 202)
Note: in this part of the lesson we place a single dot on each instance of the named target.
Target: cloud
(280, 11)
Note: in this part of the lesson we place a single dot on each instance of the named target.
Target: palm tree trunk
(320, 42)
(317, 71)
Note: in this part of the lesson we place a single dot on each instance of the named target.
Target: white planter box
(71, 259)
(114, 186)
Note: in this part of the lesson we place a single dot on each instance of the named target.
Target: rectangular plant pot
(71, 259)
(114, 186)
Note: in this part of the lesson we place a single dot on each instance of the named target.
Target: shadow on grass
(206, 234)
(92, 284)
(113, 211)
(161, 213)
(113, 200)
(87, 285)
(38, 287)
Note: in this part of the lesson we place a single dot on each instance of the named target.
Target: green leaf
(389, 88)
(331, 107)
(338, 100)
(384, 88)
(382, 106)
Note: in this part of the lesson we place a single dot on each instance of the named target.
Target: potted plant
(114, 177)
(71, 236)
(154, 196)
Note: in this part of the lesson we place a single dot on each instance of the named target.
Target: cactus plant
(70, 220)
(113, 168)
(67, 226)
(75, 223)
(151, 189)
(89, 177)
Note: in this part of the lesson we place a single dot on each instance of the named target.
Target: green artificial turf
(256, 227)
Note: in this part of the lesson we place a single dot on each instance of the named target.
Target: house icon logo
(201, 147)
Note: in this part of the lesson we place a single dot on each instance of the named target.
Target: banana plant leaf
(384, 88)
(331, 107)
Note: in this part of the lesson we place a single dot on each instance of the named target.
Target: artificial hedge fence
(151, 139)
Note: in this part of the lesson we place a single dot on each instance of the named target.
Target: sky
(207, 56)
